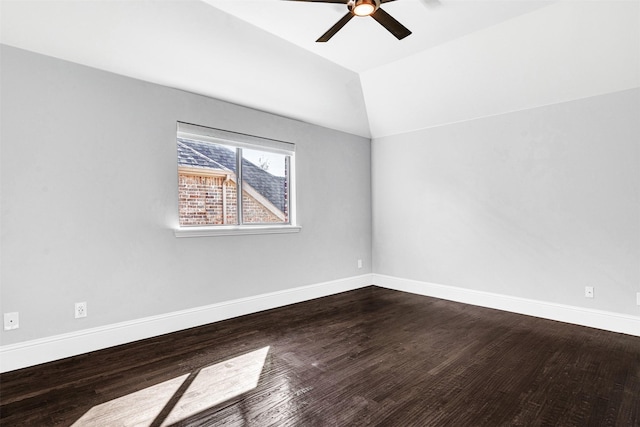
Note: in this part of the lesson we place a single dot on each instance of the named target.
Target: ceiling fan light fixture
(364, 7)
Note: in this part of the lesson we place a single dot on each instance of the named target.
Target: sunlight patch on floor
(219, 383)
(136, 409)
(181, 397)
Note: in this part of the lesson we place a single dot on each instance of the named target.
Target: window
(231, 183)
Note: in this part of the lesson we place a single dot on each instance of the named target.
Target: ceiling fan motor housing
(355, 5)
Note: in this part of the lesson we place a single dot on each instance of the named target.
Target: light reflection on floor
(181, 397)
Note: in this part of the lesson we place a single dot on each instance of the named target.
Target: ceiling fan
(364, 8)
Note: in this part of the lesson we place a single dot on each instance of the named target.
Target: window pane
(265, 187)
(206, 183)
(210, 164)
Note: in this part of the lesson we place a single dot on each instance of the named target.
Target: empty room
(320, 213)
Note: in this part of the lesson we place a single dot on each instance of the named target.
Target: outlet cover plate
(81, 309)
(11, 321)
(588, 291)
(638, 298)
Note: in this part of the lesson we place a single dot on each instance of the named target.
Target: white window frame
(240, 141)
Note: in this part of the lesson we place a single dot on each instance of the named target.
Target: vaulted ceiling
(464, 60)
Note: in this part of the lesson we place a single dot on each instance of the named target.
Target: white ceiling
(465, 59)
(432, 22)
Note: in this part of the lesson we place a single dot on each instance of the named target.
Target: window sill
(235, 230)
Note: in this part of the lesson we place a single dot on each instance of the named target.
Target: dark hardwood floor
(366, 357)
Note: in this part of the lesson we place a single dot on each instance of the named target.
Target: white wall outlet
(81, 309)
(11, 321)
(638, 298)
(588, 291)
(359, 263)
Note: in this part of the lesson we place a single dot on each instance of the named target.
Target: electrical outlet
(81, 309)
(359, 263)
(11, 321)
(588, 291)
(638, 298)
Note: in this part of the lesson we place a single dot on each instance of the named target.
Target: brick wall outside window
(201, 202)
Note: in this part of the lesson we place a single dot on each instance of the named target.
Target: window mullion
(239, 186)
(287, 166)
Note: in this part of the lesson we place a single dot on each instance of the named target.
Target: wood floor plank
(371, 357)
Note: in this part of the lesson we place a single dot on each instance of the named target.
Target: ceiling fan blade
(390, 23)
(336, 27)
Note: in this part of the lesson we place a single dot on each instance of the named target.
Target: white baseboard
(30, 353)
(34, 352)
(606, 320)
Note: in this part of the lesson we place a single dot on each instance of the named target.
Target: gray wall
(89, 201)
(535, 204)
